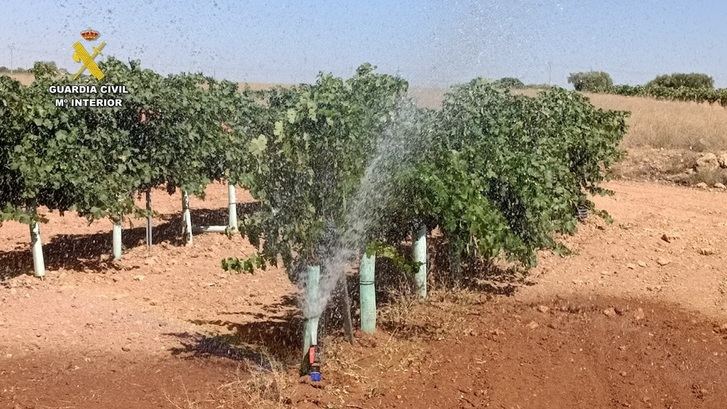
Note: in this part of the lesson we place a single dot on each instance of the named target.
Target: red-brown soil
(169, 328)
(501, 353)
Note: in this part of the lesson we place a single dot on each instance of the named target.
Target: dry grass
(672, 165)
(669, 124)
(709, 176)
(254, 385)
(258, 388)
(408, 318)
(260, 86)
(24, 78)
(397, 347)
(654, 164)
(427, 97)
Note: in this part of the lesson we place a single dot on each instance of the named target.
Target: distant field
(669, 124)
(427, 97)
(24, 78)
(258, 86)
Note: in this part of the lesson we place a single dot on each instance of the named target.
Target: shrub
(308, 159)
(508, 82)
(505, 173)
(679, 80)
(539, 86)
(590, 81)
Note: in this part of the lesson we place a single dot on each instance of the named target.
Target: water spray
(420, 257)
(312, 317)
(397, 146)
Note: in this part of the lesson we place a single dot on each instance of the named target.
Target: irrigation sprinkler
(313, 274)
(37, 246)
(420, 257)
(367, 275)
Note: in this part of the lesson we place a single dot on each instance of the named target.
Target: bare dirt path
(667, 243)
(166, 328)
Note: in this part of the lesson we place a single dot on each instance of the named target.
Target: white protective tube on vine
(37, 246)
(116, 240)
(231, 207)
(420, 256)
(149, 224)
(186, 219)
(310, 333)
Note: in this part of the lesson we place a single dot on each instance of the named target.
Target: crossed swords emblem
(81, 55)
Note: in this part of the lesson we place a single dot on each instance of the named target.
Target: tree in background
(508, 82)
(681, 80)
(591, 81)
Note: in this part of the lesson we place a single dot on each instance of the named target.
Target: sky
(428, 42)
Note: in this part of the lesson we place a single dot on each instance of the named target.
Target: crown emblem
(89, 34)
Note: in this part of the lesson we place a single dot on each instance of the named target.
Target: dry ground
(634, 318)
